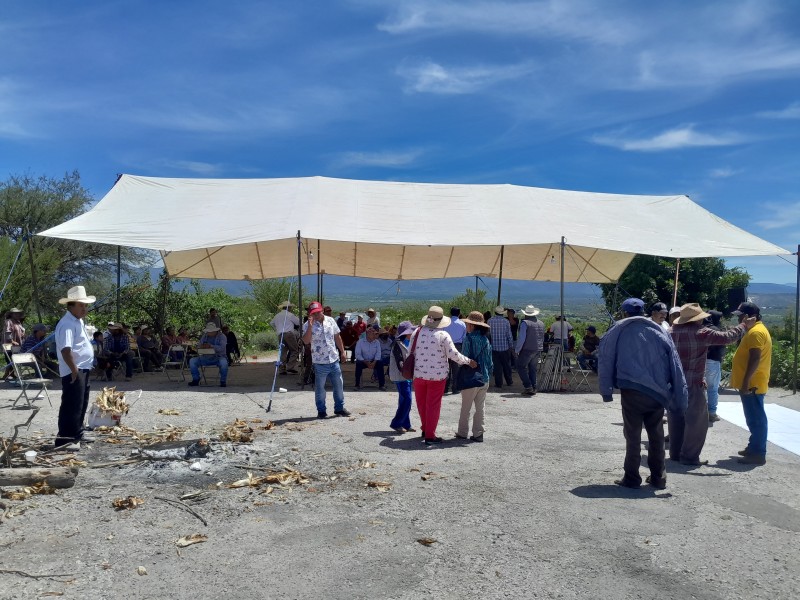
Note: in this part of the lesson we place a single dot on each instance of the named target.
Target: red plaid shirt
(692, 341)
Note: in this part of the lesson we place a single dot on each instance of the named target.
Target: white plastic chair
(26, 360)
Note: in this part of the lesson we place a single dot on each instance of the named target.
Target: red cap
(314, 307)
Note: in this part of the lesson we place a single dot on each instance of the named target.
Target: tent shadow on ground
(605, 491)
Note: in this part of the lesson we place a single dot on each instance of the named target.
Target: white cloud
(723, 173)
(673, 139)
(196, 167)
(780, 216)
(386, 159)
(790, 112)
(433, 78)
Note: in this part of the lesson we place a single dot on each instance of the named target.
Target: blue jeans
(209, 361)
(323, 372)
(402, 416)
(756, 417)
(589, 361)
(713, 375)
(526, 367)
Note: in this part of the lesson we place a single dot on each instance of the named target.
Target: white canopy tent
(251, 229)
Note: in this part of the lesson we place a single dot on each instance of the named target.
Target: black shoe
(223, 384)
(477, 438)
(194, 383)
(293, 371)
(382, 388)
(659, 484)
(626, 483)
(713, 417)
(753, 459)
(431, 441)
(357, 388)
(322, 415)
(342, 413)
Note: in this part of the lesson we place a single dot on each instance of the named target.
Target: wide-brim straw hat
(690, 313)
(16, 310)
(77, 294)
(285, 305)
(530, 311)
(211, 327)
(476, 318)
(435, 318)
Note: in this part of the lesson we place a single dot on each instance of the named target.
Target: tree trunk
(57, 477)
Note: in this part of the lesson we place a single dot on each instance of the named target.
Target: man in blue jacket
(638, 357)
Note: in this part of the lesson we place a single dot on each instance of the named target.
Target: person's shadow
(413, 441)
(613, 490)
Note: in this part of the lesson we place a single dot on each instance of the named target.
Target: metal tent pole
(500, 277)
(796, 318)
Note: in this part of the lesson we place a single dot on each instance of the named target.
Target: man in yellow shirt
(750, 375)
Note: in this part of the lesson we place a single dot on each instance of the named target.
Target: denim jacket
(638, 354)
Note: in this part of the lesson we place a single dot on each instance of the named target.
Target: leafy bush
(264, 340)
(782, 369)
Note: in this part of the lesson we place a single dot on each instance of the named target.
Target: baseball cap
(39, 327)
(658, 307)
(747, 308)
(314, 308)
(633, 306)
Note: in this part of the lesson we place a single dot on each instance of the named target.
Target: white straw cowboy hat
(476, 318)
(691, 312)
(435, 318)
(285, 305)
(499, 310)
(530, 311)
(211, 328)
(77, 294)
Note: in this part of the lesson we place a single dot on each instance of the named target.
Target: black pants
(377, 369)
(640, 409)
(74, 402)
(452, 372)
(502, 367)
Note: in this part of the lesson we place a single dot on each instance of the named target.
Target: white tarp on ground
(783, 423)
(247, 228)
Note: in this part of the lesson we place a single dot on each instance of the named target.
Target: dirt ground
(365, 513)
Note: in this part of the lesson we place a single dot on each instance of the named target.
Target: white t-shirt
(71, 333)
(558, 328)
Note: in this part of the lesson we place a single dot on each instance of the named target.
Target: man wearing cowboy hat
(638, 357)
(212, 338)
(286, 325)
(502, 346)
(75, 358)
(530, 342)
(692, 338)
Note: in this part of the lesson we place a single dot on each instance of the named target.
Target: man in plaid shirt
(502, 346)
(687, 432)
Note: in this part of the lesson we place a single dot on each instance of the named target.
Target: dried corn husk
(40, 488)
(188, 540)
(381, 486)
(172, 412)
(288, 476)
(112, 401)
(127, 503)
(238, 431)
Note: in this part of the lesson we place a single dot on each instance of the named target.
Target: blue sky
(698, 98)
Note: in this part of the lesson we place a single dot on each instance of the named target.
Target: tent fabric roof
(247, 228)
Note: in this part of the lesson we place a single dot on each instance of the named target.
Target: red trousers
(429, 404)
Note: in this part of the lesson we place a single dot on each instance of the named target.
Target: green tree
(30, 205)
(269, 293)
(651, 278)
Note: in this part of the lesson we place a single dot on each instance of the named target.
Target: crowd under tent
(245, 229)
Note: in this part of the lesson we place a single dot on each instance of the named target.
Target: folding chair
(138, 363)
(205, 352)
(577, 376)
(171, 360)
(26, 360)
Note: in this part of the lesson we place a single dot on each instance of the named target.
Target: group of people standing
(662, 369)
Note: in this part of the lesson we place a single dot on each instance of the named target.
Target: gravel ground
(530, 513)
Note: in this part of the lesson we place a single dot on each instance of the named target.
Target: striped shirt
(692, 341)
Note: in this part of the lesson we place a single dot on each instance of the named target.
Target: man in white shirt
(368, 356)
(658, 315)
(327, 351)
(457, 330)
(286, 325)
(75, 356)
(561, 329)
